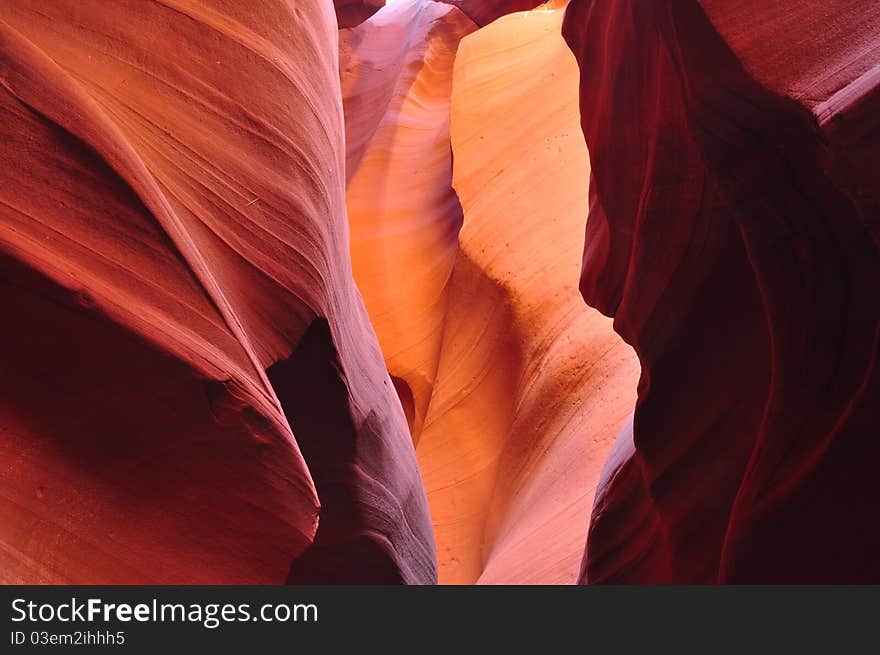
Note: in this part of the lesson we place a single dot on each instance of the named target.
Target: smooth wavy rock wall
(285, 302)
(396, 73)
(191, 389)
(514, 388)
(733, 235)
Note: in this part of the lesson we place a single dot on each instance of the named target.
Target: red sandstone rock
(172, 202)
(733, 235)
(354, 12)
(191, 389)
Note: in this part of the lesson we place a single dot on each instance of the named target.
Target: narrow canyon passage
(456, 291)
(467, 205)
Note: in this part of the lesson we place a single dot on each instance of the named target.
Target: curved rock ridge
(396, 72)
(278, 282)
(532, 385)
(174, 225)
(502, 369)
(733, 235)
(483, 12)
(350, 13)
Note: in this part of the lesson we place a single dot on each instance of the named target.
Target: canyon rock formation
(404, 216)
(733, 235)
(350, 13)
(514, 388)
(192, 391)
(483, 12)
(518, 339)
(439, 290)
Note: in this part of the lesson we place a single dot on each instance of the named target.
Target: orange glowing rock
(396, 73)
(533, 385)
(525, 387)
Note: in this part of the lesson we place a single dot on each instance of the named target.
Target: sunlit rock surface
(532, 385)
(524, 386)
(396, 84)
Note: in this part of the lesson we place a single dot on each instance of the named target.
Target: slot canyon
(439, 291)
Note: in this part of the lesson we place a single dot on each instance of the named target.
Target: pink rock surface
(172, 199)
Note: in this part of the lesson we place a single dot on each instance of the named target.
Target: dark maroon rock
(733, 235)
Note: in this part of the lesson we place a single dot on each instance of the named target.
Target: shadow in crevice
(112, 451)
(350, 546)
